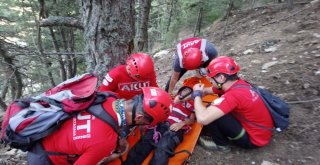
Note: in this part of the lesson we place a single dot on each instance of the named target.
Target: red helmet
(222, 64)
(141, 66)
(157, 104)
(192, 58)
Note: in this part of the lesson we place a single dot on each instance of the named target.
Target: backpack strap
(98, 111)
(254, 88)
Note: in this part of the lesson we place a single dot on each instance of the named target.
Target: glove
(197, 93)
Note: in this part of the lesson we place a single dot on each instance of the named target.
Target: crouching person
(166, 136)
(239, 117)
(85, 139)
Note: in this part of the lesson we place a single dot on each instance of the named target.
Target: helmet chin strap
(136, 101)
(134, 114)
(219, 84)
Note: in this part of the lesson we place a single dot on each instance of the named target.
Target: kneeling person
(85, 139)
(167, 135)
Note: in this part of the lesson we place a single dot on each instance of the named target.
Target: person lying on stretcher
(166, 136)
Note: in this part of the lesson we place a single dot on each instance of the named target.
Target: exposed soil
(280, 50)
(291, 70)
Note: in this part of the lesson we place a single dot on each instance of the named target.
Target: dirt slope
(280, 50)
(277, 49)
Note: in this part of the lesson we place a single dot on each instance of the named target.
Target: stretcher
(189, 140)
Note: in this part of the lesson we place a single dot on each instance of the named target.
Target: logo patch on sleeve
(218, 101)
(108, 78)
(105, 82)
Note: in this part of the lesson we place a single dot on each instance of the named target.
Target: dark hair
(229, 77)
(138, 105)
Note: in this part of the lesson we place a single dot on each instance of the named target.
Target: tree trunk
(290, 4)
(197, 28)
(43, 14)
(144, 20)
(73, 56)
(5, 88)
(108, 32)
(172, 8)
(46, 62)
(64, 32)
(3, 105)
(11, 73)
(228, 10)
(55, 44)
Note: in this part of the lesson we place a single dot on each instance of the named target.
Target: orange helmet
(157, 104)
(192, 58)
(140, 65)
(222, 64)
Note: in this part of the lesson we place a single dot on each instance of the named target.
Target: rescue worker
(167, 135)
(232, 118)
(127, 80)
(190, 54)
(85, 139)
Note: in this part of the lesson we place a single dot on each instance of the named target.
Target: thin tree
(143, 25)
(172, 8)
(11, 73)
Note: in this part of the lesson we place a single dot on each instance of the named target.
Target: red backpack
(28, 120)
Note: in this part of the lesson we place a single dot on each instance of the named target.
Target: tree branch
(3, 18)
(61, 21)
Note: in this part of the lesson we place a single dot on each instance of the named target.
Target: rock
(310, 158)
(249, 51)
(314, 2)
(292, 62)
(253, 21)
(256, 61)
(287, 82)
(161, 53)
(292, 28)
(316, 35)
(269, 64)
(306, 85)
(293, 39)
(268, 163)
(317, 73)
(271, 49)
(315, 92)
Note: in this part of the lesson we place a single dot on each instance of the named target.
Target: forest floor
(280, 50)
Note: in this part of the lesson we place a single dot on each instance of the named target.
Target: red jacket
(119, 81)
(249, 105)
(84, 135)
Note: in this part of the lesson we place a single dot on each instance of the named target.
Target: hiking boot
(207, 143)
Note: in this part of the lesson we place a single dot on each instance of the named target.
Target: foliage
(169, 22)
(18, 24)
(184, 16)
